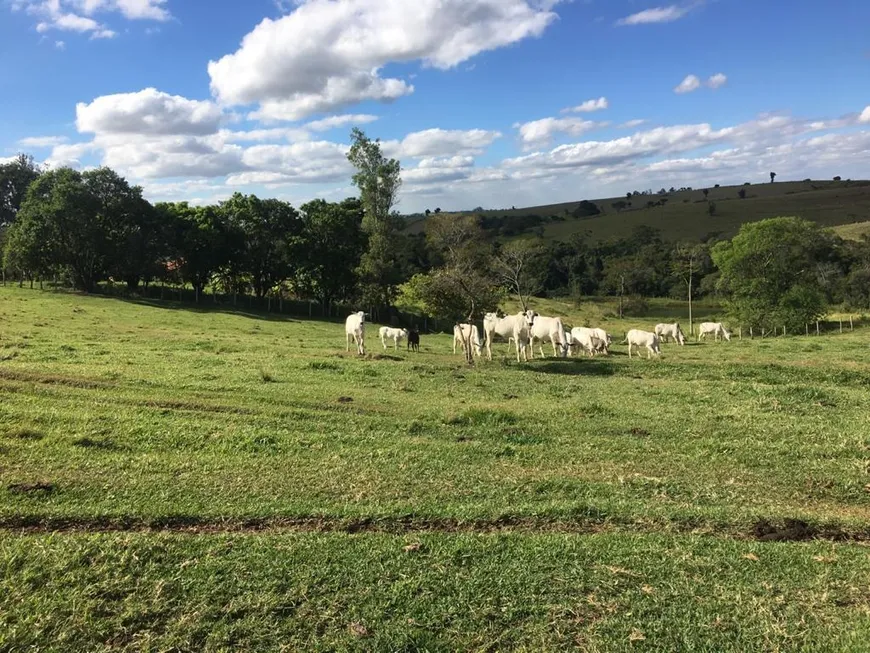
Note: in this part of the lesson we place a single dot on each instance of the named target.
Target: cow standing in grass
(548, 329)
(515, 328)
(414, 340)
(638, 338)
(716, 328)
(672, 331)
(585, 339)
(467, 335)
(396, 335)
(355, 329)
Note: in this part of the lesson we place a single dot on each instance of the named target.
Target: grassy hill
(686, 216)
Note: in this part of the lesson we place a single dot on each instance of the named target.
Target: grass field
(686, 217)
(215, 480)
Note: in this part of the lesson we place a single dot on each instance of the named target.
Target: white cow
(638, 338)
(548, 329)
(603, 338)
(463, 333)
(513, 327)
(396, 335)
(585, 339)
(673, 331)
(716, 328)
(355, 329)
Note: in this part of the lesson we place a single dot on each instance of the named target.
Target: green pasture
(213, 479)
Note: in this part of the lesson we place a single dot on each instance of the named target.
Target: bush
(635, 307)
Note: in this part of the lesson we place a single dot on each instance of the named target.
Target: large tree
(15, 178)
(378, 179)
(268, 228)
(330, 245)
(519, 266)
(73, 230)
(770, 272)
(464, 287)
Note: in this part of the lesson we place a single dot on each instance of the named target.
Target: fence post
(851, 324)
(751, 335)
(817, 327)
(841, 326)
(783, 330)
(762, 333)
(807, 328)
(740, 332)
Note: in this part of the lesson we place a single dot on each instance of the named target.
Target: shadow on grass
(574, 367)
(206, 308)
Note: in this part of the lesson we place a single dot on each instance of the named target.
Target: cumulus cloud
(148, 111)
(865, 115)
(717, 81)
(631, 124)
(308, 162)
(77, 15)
(442, 142)
(589, 106)
(60, 45)
(656, 15)
(333, 122)
(541, 132)
(689, 84)
(69, 155)
(42, 141)
(325, 54)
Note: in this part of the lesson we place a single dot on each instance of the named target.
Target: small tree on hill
(772, 177)
(711, 208)
(517, 266)
(741, 193)
(706, 192)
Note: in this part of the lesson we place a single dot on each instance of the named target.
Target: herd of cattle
(527, 328)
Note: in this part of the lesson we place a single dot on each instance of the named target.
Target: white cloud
(717, 81)
(441, 142)
(631, 124)
(76, 15)
(689, 84)
(656, 15)
(333, 122)
(865, 115)
(69, 155)
(540, 132)
(589, 106)
(148, 111)
(60, 45)
(42, 141)
(162, 157)
(328, 54)
(308, 162)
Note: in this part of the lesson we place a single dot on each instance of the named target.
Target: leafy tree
(202, 241)
(329, 244)
(772, 177)
(128, 223)
(620, 205)
(378, 179)
(741, 193)
(462, 289)
(706, 192)
(711, 208)
(15, 178)
(438, 210)
(68, 217)
(268, 227)
(769, 269)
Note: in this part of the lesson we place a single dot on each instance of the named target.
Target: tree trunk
(691, 324)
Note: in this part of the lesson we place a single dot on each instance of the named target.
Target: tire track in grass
(763, 529)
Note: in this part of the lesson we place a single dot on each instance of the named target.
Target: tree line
(85, 228)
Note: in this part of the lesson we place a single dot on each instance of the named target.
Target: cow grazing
(467, 333)
(414, 340)
(585, 339)
(548, 329)
(604, 339)
(355, 329)
(638, 338)
(513, 327)
(396, 335)
(672, 331)
(716, 328)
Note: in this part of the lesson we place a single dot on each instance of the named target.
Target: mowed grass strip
(119, 412)
(434, 592)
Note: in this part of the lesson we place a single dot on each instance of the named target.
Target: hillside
(686, 216)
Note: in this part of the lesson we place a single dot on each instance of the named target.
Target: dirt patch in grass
(24, 434)
(764, 530)
(51, 379)
(193, 406)
(90, 443)
(39, 488)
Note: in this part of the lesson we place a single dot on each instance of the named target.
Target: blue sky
(486, 102)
